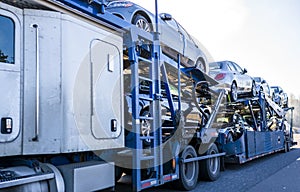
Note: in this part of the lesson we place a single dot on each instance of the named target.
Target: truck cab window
(7, 40)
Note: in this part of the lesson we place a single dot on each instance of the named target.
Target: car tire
(233, 92)
(145, 129)
(253, 90)
(286, 105)
(200, 65)
(273, 98)
(142, 23)
(229, 138)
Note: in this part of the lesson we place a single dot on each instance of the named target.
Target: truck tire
(188, 172)
(287, 146)
(210, 168)
(118, 173)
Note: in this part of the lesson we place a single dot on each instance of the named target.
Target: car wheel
(253, 90)
(229, 138)
(287, 103)
(146, 129)
(280, 102)
(141, 22)
(233, 92)
(274, 98)
(200, 65)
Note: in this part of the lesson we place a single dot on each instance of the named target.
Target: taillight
(220, 76)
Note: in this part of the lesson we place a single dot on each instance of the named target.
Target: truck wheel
(118, 173)
(210, 168)
(287, 147)
(188, 172)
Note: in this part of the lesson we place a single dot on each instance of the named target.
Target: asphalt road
(247, 177)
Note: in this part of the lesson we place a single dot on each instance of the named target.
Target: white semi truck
(61, 79)
(62, 104)
(87, 97)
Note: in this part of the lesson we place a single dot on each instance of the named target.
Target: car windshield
(275, 89)
(215, 66)
(257, 79)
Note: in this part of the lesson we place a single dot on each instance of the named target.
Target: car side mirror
(165, 16)
(245, 71)
(263, 81)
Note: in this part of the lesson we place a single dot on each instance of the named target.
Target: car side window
(238, 68)
(230, 66)
(7, 41)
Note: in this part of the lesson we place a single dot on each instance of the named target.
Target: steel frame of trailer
(254, 144)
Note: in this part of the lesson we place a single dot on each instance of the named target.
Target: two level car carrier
(66, 125)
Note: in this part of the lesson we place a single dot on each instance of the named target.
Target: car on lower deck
(279, 96)
(232, 127)
(262, 85)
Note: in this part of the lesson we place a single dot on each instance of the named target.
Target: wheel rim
(141, 23)
(201, 66)
(229, 138)
(146, 127)
(189, 169)
(234, 92)
(213, 163)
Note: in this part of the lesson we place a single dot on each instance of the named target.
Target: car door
(234, 74)
(237, 75)
(170, 34)
(245, 80)
(190, 50)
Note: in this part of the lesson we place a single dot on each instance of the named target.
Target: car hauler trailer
(256, 127)
(63, 110)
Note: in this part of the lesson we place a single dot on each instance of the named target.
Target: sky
(262, 36)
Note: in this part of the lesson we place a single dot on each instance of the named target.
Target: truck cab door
(10, 82)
